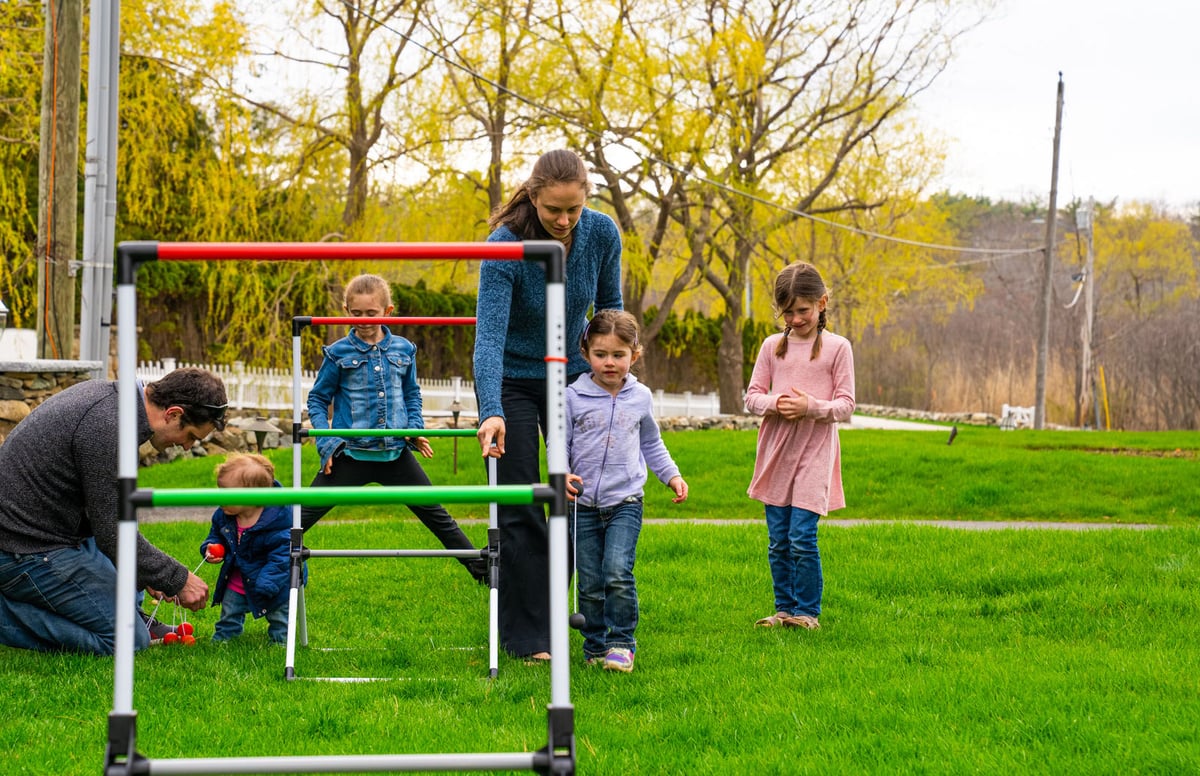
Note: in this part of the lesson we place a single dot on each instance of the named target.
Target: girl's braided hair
(799, 281)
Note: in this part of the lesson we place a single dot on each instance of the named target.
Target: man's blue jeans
(235, 607)
(795, 560)
(605, 541)
(61, 600)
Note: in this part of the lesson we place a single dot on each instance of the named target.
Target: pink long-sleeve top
(799, 462)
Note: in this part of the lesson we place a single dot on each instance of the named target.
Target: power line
(994, 253)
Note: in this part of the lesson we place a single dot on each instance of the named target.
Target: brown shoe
(775, 620)
(801, 621)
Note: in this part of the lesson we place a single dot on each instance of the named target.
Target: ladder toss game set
(297, 622)
(558, 756)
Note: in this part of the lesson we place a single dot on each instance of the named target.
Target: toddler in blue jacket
(254, 576)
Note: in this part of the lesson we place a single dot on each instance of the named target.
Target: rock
(13, 411)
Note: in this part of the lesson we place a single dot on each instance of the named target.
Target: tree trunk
(729, 366)
(58, 177)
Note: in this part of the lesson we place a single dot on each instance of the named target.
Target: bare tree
(490, 61)
(733, 106)
(376, 61)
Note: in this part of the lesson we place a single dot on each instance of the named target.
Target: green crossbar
(324, 497)
(347, 433)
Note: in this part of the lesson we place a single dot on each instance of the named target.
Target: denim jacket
(370, 386)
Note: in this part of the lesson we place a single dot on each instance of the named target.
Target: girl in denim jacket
(370, 377)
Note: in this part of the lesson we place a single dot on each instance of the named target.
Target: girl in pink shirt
(803, 386)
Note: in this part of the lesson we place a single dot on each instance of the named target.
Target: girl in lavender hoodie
(612, 437)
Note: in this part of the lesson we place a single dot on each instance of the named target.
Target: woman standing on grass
(803, 386)
(510, 367)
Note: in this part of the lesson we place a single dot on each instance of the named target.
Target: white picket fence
(270, 391)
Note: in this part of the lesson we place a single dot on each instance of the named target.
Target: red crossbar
(293, 251)
(426, 321)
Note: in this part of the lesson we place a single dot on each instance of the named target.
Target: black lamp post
(455, 411)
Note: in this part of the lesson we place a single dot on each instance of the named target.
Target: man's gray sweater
(58, 481)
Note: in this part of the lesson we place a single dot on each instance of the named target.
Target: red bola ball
(216, 550)
(184, 629)
(188, 641)
(171, 638)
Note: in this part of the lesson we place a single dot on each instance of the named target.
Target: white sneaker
(619, 659)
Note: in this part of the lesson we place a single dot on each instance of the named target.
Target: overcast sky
(1131, 110)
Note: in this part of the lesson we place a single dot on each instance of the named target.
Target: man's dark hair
(200, 394)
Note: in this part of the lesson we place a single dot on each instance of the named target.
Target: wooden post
(1043, 350)
(58, 179)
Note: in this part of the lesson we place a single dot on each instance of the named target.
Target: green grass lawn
(941, 651)
(986, 474)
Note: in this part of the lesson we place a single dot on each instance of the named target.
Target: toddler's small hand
(574, 486)
(681, 489)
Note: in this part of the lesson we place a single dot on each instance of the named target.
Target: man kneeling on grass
(58, 512)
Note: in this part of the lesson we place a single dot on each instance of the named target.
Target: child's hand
(680, 487)
(423, 447)
(573, 480)
(793, 406)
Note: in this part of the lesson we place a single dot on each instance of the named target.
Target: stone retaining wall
(737, 422)
(26, 384)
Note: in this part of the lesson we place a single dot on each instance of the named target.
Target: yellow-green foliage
(20, 89)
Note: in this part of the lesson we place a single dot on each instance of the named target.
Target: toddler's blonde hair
(246, 470)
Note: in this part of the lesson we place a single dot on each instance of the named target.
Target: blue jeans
(61, 600)
(605, 548)
(795, 560)
(235, 607)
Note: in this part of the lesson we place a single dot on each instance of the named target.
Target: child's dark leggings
(405, 470)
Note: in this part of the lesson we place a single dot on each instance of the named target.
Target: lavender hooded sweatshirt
(611, 440)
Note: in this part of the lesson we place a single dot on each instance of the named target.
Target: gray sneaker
(157, 629)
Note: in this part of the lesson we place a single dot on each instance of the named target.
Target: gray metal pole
(1039, 407)
(100, 183)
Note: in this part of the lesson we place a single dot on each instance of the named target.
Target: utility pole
(58, 176)
(1086, 222)
(100, 184)
(1043, 352)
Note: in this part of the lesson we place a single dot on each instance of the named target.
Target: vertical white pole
(556, 463)
(494, 591)
(296, 418)
(295, 595)
(127, 451)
